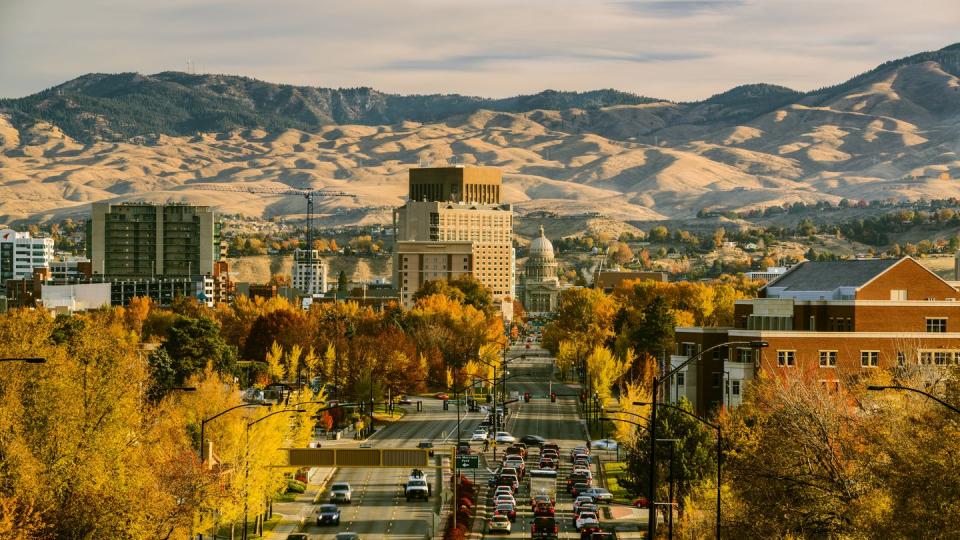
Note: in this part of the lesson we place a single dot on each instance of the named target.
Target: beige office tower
(453, 225)
(139, 241)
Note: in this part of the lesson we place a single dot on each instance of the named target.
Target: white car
(504, 499)
(604, 444)
(504, 437)
(341, 493)
(586, 518)
(503, 490)
(479, 435)
(499, 524)
(581, 499)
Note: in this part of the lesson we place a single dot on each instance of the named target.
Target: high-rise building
(20, 253)
(309, 272)
(137, 240)
(454, 224)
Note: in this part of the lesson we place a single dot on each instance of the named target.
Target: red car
(544, 509)
(506, 509)
(442, 395)
(640, 502)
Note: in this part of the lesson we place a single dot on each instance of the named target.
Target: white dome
(541, 246)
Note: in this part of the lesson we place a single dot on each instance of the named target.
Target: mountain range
(889, 133)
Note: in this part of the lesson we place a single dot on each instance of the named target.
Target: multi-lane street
(379, 508)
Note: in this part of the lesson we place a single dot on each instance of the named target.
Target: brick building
(826, 322)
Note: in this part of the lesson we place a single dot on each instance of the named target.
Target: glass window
(828, 359)
(936, 325)
(735, 388)
(786, 358)
(869, 358)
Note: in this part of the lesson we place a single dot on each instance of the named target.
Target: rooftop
(831, 275)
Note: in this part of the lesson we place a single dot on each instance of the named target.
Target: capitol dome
(541, 266)
(541, 246)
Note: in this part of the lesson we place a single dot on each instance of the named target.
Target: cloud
(679, 8)
(674, 49)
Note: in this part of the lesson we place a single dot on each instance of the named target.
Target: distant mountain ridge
(890, 133)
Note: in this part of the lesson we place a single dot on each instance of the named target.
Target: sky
(681, 50)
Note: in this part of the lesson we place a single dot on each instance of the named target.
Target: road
(379, 509)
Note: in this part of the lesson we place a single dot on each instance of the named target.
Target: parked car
(640, 502)
(599, 494)
(604, 444)
(329, 514)
(341, 492)
(499, 523)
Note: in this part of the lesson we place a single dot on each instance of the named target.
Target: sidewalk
(296, 513)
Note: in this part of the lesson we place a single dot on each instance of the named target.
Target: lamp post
(25, 360)
(719, 447)
(915, 390)
(246, 461)
(657, 381)
(203, 423)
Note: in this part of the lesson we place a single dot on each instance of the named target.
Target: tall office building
(136, 240)
(20, 254)
(309, 272)
(453, 225)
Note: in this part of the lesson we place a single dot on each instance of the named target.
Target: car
(442, 395)
(586, 519)
(604, 444)
(547, 463)
(599, 494)
(404, 401)
(578, 488)
(341, 492)
(504, 499)
(544, 509)
(537, 499)
(479, 435)
(425, 444)
(506, 509)
(640, 502)
(587, 532)
(499, 523)
(504, 437)
(532, 440)
(298, 536)
(463, 448)
(509, 480)
(580, 500)
(347, 536)
(544, 527)
(328, 514)
(587, 507)
(502, 490)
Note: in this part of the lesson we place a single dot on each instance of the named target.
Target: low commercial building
(827, 323)
(608, 280)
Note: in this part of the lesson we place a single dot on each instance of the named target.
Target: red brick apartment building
(826, 322)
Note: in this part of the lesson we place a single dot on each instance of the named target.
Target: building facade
(134, 241)
(826, 322)
(454, 225)
(541, 285)
(309, 272)
(20, 253)
(608, 280)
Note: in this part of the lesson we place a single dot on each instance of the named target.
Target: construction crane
(308, 194)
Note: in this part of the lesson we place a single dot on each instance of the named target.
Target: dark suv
(544, 527)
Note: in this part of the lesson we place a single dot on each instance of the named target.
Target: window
(936, 325)
(901, 358)
(898, 294)
(735, 388)
(942, 358)
(786, 358)
(869, 358)
(717, 377)
(681, 379)
(828, 359)
(926, 358)
(745, 355)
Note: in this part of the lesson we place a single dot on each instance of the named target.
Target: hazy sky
(674, 49)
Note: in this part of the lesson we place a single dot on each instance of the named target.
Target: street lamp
(918, 391)
(719, 448)
(246, 461)
(657, 381)
(25, 360)
(203, 423)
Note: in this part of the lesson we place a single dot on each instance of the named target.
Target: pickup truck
(417, 486)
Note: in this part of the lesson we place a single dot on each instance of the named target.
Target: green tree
(195, 344)
(342, 283)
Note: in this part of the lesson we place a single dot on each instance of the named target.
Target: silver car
(340, 492)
